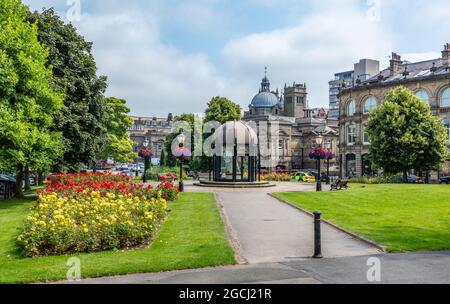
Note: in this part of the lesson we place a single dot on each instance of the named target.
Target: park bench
(340, 184)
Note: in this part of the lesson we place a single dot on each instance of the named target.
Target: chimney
(396, 64)
(446, 55)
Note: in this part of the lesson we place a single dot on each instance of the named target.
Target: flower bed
(94, 212)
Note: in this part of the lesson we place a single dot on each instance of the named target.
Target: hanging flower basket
(321, 153)
(145, 152)
(182, 152)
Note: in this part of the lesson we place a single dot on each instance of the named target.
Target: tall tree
(75, 75)
(116, 123)
(28, 102)
(222, 110)
(405, 135)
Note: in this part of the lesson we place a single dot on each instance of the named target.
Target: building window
(366, 137)
(351, 108)
(422, 94)
(445, 98)
(351, 134)
(351, 165)
(370, 104)
(281, 144)
(447, 125)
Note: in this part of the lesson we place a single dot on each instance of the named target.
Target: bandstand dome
(237, 133)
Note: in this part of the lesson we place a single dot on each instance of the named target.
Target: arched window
(351, 108)
(422, 94)
(351, 134)
(445, 98)
(370, 104)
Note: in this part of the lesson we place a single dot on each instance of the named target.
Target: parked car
(444, 180)
(303, 177)
(314, 173)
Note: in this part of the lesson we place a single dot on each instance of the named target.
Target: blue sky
(173, 56)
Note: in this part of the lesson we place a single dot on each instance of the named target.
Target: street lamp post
(182, 152)
(145, 153)
(319, 142)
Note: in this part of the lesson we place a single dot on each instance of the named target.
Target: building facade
(344, 79)
(153, 129)
(297, 127)
(429, 80)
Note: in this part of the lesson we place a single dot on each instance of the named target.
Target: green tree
(405, 135)
(75, 75)
(28, 102)
(222, 110)
(190, 119)
(116, 123)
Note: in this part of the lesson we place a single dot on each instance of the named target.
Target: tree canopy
(28, 101)
(222, 110)
(116, 123)
(405, 135)
(74, 75)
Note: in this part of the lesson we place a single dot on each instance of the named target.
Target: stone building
(153, 129)
(363, 70)
(429, 80)
(297, 126)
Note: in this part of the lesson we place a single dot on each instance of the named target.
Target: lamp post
(319, 142)
(145, 153)
(182, 152)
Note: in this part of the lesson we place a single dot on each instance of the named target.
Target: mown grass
(400, 217)
(192, 237)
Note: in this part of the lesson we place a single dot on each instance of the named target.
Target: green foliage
(191, 119)
(75, 76)
(116, 123)
(28, 102)
(222, 110)
(394, 179)
(405, 135)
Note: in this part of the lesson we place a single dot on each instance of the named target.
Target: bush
(94, 212)
(395, 179)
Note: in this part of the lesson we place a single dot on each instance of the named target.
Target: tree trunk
(19, 177)
(26, 176)
(41, 178)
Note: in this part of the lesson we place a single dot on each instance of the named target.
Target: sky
(172, 56)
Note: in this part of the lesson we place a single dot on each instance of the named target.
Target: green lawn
(192, 237)
(399, 217)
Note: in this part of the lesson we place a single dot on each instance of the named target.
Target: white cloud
(154, 77)
(328, 41)
(417, 57)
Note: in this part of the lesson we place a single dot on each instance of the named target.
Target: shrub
(395, 179)
(167, 188)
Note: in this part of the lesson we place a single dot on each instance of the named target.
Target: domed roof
(265, 100)
(236, 132)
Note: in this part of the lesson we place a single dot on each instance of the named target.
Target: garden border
(352, 234)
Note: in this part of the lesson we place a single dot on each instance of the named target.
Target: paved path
(416, 268)
(267, 230)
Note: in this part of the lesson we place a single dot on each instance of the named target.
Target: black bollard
(317, 235)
